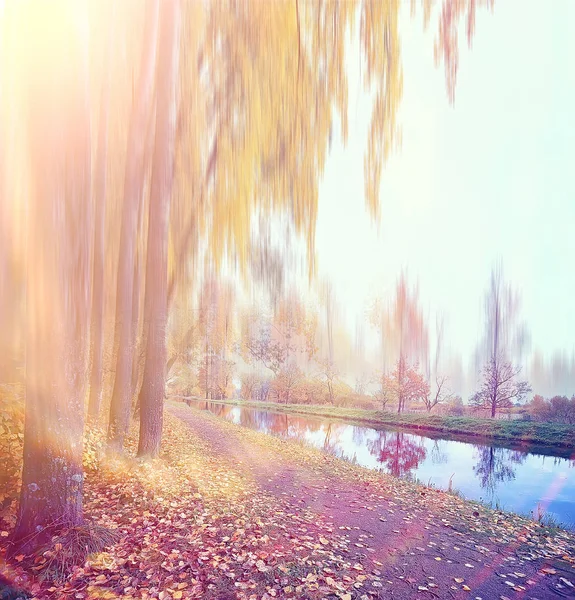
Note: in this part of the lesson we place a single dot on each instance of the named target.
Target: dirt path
(420, 542)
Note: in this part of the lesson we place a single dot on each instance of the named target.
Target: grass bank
(523, 433)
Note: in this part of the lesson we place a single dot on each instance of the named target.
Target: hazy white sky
(491, 178)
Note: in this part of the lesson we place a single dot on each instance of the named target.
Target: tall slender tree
(100, 176)
(499, 385)
(133, 197)
(59, 268)
(156, 298)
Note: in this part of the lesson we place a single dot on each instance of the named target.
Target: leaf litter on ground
(198, 523)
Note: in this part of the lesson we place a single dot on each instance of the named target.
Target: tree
(257, 140)
(455, 406)
(504, 336)
(97, 320)
(330, 374)
(260, 347)
(215, 376)
(559, 409)
(132, 199)
(562, 409)
(401, 326)
(249, 383)
(273, 339)
(287, 380)
(404, 385)
(446, 43)
(59, 270)
(156, 299)
(539, 408)
(385, 392)
(500, 387)
(440, 394)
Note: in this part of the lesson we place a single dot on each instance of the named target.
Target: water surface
(515, 480)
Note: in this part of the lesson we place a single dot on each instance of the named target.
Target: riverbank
(228, 513)
(397, 539)
(522, 434)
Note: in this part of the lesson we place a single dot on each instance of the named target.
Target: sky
(489, 179)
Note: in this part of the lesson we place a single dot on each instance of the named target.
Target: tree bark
(97, 321)
(58, 278)
(156, 298)
(133, 191)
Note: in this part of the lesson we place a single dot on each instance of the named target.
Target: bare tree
(440, 394)
(261, 345)
(329, 374)
(500, 387)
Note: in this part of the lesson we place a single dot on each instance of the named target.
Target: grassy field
(523, 433)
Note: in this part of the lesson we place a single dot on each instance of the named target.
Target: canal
(525, 482)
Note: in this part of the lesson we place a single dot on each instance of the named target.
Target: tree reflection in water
(496, 465)
(399, 453)
(332, 443)
(438, 455)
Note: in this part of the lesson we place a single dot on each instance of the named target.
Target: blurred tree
(140, 117)
(156, 298)
(499, 387)
(97, 319)
(401, 327)
(249, 136)
(439, 394)
(404, 385)
(249, 382)
(52, 56)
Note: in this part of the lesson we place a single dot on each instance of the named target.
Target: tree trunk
(207, 370)
(134, 341)
(97, 321)
(58, 278)
(156, 299)
(133, 191)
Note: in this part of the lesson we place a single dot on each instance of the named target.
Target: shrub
(455, 407)
(558, 409)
